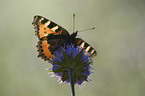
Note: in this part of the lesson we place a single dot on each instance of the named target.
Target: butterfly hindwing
(46, 48)
(43, 50)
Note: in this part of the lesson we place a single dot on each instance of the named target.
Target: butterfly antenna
(73, 22)
(87, 29)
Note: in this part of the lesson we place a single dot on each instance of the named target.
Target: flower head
(74, 58)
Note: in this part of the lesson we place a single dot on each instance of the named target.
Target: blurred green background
(119, 39)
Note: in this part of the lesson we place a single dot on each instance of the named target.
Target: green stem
(71, 81)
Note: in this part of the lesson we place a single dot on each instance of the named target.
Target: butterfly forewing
(88, 49)
(44, 27)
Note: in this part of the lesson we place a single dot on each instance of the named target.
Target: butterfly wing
(43, 28)
(46, 48)
(88, 49)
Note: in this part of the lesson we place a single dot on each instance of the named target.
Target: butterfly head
(74, 34)
(71, 39)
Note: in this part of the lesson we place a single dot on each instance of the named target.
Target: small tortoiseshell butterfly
(52, 36)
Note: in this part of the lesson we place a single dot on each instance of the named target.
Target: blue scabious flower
(74, 58)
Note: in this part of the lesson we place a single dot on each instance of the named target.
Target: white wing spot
(87, 49)
(92, 51)
(82, 45)
(46, 24)
(54, 28)
(46, 35)
(41, 19)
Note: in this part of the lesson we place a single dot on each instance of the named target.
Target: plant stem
(71, 81)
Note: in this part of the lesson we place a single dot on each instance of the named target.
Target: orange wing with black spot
(43, 28)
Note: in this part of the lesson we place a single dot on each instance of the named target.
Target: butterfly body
(69, 39)
(52, 36)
